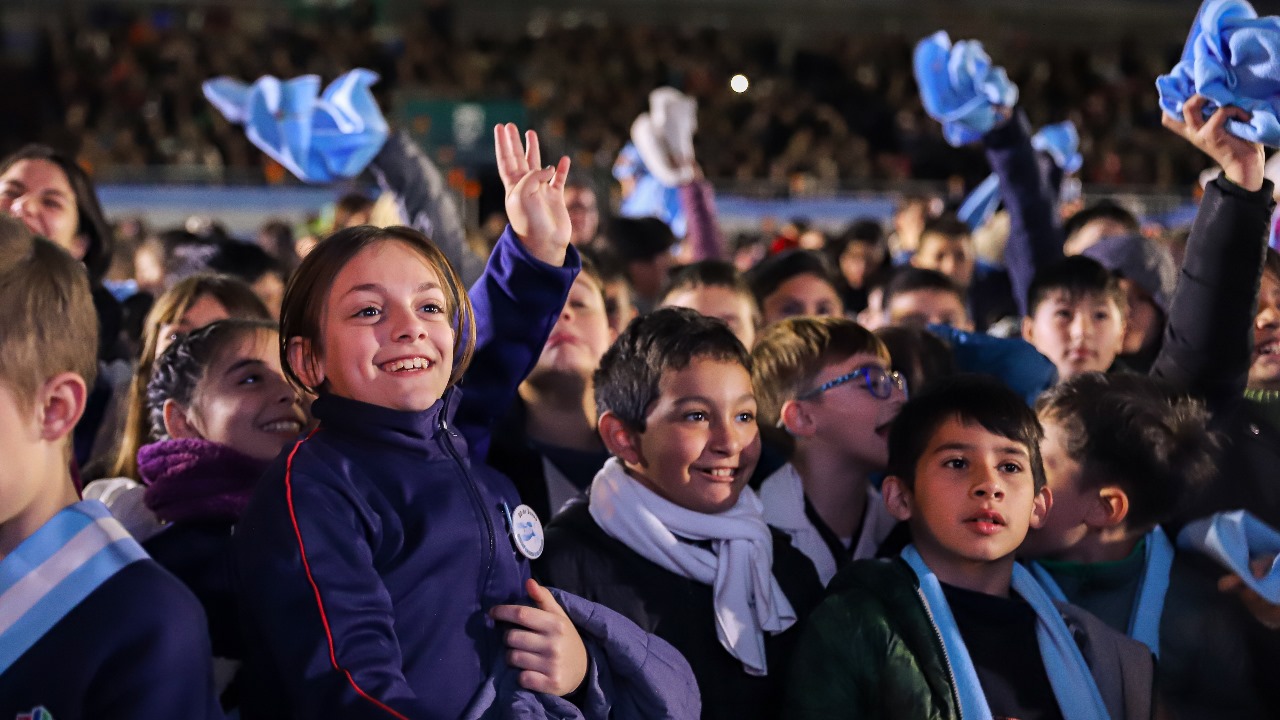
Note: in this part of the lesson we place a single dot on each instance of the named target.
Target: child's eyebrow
(745, 397)
(242, 363)
(1008, 449)
(375, 287)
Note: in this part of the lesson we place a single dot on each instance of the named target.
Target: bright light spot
(738, 83)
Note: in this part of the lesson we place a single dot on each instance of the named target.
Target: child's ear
(79, 246)
(304, 362)
(1040, 507)
(897, 498)
(1029, 329)
(620, 440)
(177, 424)
(61, 402)
(1111, 509)
(797, 420)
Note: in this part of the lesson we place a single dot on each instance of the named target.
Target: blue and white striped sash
(52, 571)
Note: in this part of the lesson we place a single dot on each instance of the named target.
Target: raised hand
(544, 644)
(1242, 161)
(535, 195)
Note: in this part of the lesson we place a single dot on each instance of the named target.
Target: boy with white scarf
(671, 537)
(953, 628)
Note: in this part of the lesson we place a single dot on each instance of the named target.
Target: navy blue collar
(384, 425)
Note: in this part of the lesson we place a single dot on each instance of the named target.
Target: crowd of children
(568, 480)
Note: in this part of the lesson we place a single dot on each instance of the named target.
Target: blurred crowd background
(829, 128)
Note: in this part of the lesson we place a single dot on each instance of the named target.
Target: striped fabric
(55, 569)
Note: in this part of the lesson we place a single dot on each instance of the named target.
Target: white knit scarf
(739, 567)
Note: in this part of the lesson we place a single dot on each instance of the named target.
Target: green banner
(458, 131)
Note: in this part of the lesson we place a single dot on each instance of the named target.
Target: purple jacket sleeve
(1035, 233)
(703, 233)
(517, 301)
(1208, 341)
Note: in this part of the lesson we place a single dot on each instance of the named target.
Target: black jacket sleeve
(1208, 341)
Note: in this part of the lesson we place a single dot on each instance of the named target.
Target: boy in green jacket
(953, 628)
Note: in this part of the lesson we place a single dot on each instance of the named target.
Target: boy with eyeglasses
(827, 396)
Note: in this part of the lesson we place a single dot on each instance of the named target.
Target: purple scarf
(193, 479)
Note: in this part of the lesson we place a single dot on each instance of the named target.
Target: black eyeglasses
(879, 382)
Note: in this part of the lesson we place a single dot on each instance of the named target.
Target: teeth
(283, 426)
(1269, 348)
(720, 472)
(416, 363)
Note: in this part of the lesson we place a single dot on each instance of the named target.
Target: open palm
(534, 194)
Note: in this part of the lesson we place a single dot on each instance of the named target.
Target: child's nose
(989, 486)
(407, 326)
(726, 438)
(1268, 315)
(1081, 325)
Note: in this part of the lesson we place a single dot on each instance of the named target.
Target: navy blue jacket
(405, 549)
(372, 550)
(136, 647)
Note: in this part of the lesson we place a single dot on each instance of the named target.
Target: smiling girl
(373, 557)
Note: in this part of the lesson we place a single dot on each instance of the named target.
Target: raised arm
(523, 288)
(703, 239)
(1208, 341)
(1035, 232)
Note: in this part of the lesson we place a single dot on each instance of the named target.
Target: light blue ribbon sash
(1144, 618)
(52, 571)
(1073, 685)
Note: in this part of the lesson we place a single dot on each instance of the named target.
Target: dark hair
(1138, 433)
(1078, 276)
(921, 356)
(309, 288)
(180, 369)
(971, 399)
(946, 225)
(626, 382)
(860, 232)
(1271, 264)
(709, 273)
(276, 237)
(184, 254)
(243, 260)
(609, 267)
(910, 279)
(92, 221)
(766, 277)
(638, 239)
(1101, 210)
(348, 205)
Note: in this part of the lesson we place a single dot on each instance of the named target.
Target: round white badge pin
(526, 532)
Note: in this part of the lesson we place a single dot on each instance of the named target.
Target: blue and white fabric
(318, 138)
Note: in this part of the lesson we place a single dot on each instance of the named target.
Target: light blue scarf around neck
(1069, 675)
(1144, 618)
